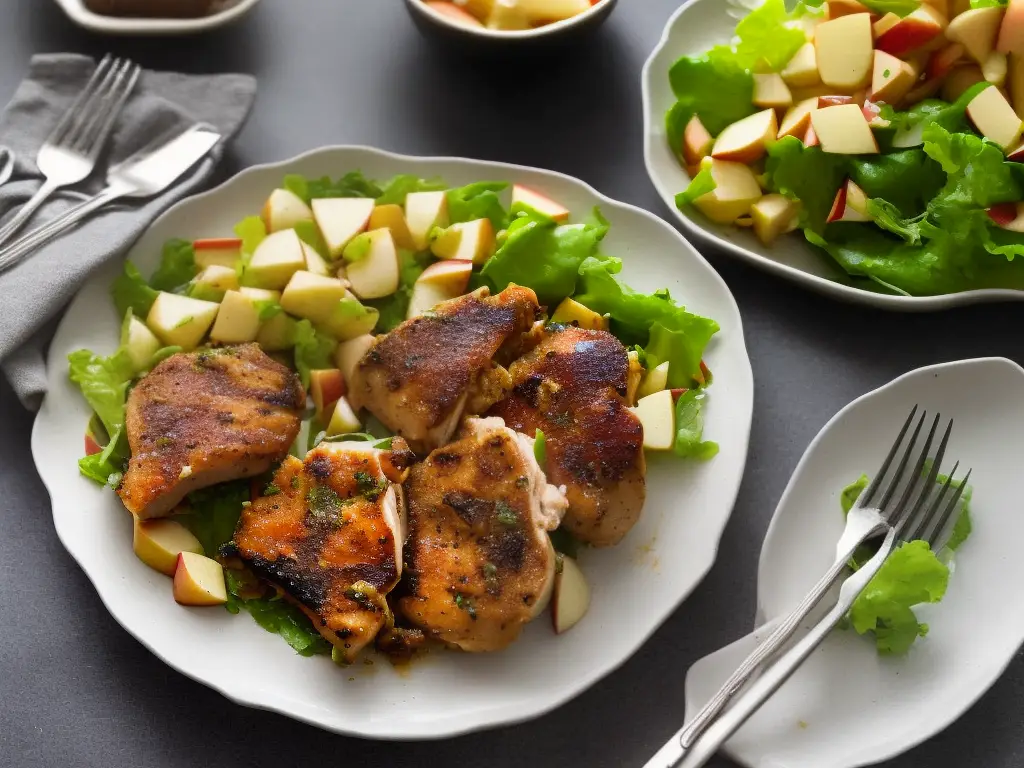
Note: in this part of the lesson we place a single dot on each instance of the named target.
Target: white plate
(847, 706)
(125, 25)
(635, 585)
(696, 27)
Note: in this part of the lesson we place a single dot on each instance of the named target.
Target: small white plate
(125, 25)
(696, 27)
(635, 586)
(847, 706)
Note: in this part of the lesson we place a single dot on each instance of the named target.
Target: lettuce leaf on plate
(479, 200)
(907, 179)
(806, 174)
(313, 350)
(131, 292)
(274, 614)
(177, 267)
(543, 255)
(396, 189)
(107, 466)
(690, 427)
(665, 329)
(717, 89)
(765, 38)
(352, 184)
(882, 7)
(104, 383)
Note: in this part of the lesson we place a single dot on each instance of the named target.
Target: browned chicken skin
(479, 561)
(202, 418)
(573, 387)
(419, 378)
(328, 532)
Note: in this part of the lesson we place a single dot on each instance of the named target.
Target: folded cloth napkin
(35, 291)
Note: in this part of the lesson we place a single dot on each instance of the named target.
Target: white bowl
(451, 30)
(847, 706)
(635, 585)
(693, 29)
(123, 25)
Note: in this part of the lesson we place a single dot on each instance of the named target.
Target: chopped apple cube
(350, 353)
(423, 212)
(315, 263)
(802, 69)
(313, 297)
(158, 543)
(217, 251)
(1011, 32)
(283, 210)
(976, 30)
(942, 61)
(994, 118)
(843, 130)
(454, 13)
(451, 275)
(920, 27)
(697, 142)
(657, 415)
(278, 257)
(426, 296)
(198, 580)
(851, 204)
(213, 282)
(885, 23)
(845, 51)
(508, 16)
(770, 90)
(392, 217)
(571, 596)
(238, 320)
(746, 140)
(839, 8)
(260, 294)
(797, 118)
(736, 189)
(995, 68)
(180, 321)
(340, 219)
(140, 343)
(892, 78)
(1015, 75)
(542, 203)
(773, 215)
(472, 241)
(546, 11)
(326, 387)
(571, 311)
(350, 319)
(655, 380)
(374, 274)
(343, 419)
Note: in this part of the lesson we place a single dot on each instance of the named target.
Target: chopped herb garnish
(163, 442)
(465, 604)
(505, 514)
(324, 503)
(522, 482)
(490, 570)
(295, 481)
(271, 490)
(540, 451)
(183, 322)
(370, 488)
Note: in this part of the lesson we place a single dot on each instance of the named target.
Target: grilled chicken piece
(480, 564)
(419, 378)
(573, 387)
(328, 533)
(202, 418)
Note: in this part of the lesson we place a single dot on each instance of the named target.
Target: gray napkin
(36, 290)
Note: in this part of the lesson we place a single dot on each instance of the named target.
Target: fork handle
(41, 235)
(695, 755)
(25, 212)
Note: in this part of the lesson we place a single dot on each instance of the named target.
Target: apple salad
(368, 326)
(888, 131)
(509, 15)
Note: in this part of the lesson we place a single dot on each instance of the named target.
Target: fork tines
(923, 505)
(90, 118)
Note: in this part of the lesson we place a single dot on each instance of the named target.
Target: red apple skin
(873, 114)
(1003, 213)
(677, 393)
(326, 387)
(697, 141)
(217, 243)
(919, 28)
(1016, 155)
(91, 446)
(811, 138)
(834, 101)
(942, 61)
(839, 205)
(837, 8)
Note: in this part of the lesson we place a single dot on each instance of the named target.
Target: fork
(902, 520)
(69, 153)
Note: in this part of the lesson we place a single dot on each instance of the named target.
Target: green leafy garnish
(213, 513)
(130, 291)
(478, 201)
(540, 448)
(104, 383)
(313, 350)
(276, 616)
(690, 427)
(352, 184)
(398, 187)
(177, 267)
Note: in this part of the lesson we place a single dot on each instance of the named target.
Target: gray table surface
(77, 690)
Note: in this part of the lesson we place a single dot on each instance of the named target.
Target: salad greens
(929, 190)
(912, 575)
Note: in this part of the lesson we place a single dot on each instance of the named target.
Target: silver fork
(69, 153)
(872, 515)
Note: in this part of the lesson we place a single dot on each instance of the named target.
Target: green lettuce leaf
(352, 184)
(852, 492)
(882, 7)
(806, 174)
(177, 267)
(543, 255)
(716, 89)
(764, 39)
(107, 466)
(396, 189)
(478, 201)
(393, 308)
(887, 216)
(907, 179)
(214, 512)
(912, 575)
(276, 616)
(104, 383)
(700, 185)
(690, 427)
(253, 231)
(976, 170)
(130, 291)
(313, 350)
(665, 329)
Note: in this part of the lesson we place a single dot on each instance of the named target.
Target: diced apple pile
(831, 92)
(509, 15)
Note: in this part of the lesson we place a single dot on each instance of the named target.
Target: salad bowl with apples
(869, 150)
